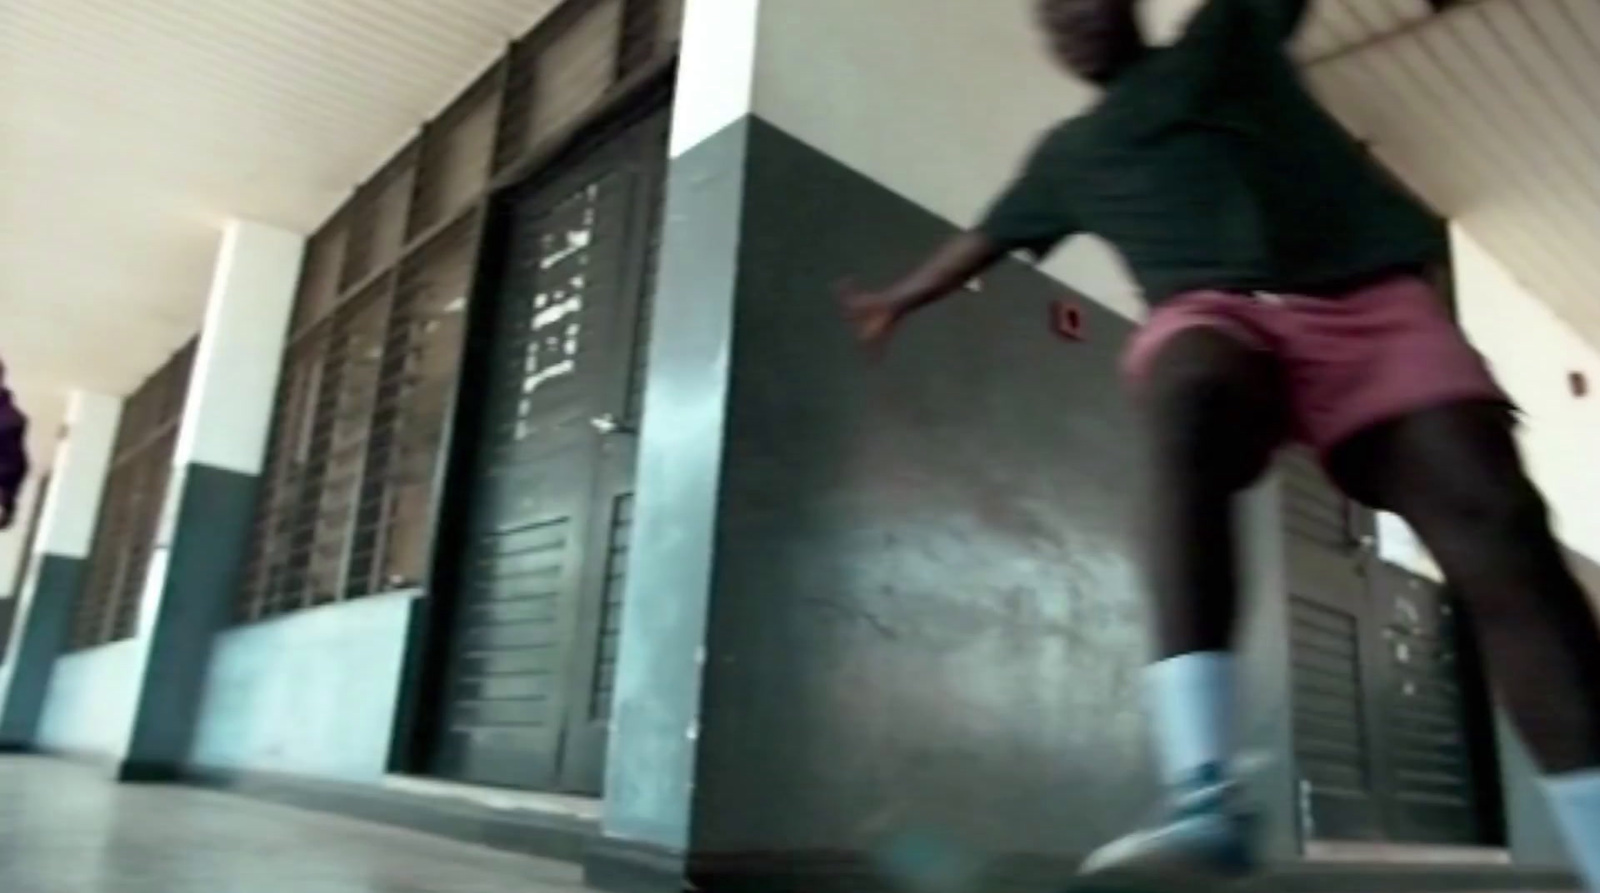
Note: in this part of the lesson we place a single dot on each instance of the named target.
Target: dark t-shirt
(1209, 165)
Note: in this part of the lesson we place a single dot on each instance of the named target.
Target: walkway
(65, 828)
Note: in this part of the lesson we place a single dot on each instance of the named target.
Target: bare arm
(1029, 214)
(875, 314)
(945, 271)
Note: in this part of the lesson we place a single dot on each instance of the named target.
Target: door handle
(608, 424)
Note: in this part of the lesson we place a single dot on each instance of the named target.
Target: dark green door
(1435, 723)
(1331, 658)
(527, 688)
(1392, 736)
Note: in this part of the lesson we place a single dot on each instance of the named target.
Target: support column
(204, 535)
(651, 759)
(860, 598)
(60, 553)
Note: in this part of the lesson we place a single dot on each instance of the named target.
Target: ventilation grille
(510, 638)
(1427, 715)
(393, 527)
(346, 500)
(568, 66)
(1332, 743)
(131, 505)
(1330, 731)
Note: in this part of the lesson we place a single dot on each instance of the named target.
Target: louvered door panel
(530, 502)
(1331, 648)
(550, 506)
(1433, 716)
(1332, 737)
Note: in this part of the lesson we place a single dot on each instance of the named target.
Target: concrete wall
(312, 693)
(89, 708)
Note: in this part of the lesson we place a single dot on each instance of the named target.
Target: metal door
(548, 503)
(1437, 729)
(1390, 709)
(1331, 656)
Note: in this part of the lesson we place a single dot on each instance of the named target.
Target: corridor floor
(65, 828)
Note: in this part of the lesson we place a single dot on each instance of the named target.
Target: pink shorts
(1379, 352)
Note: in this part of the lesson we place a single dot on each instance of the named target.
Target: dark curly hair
(1094, 39)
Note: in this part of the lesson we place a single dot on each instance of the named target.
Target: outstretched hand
(871, 315)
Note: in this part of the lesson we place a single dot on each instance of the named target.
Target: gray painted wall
(924, 603)
(312, 693)
(89, 707)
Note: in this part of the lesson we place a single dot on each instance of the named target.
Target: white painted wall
(90, 705)
(1532, 353)
(937, 99)
(236, 368)
(72, 507)
(716, 69)
(312, 693)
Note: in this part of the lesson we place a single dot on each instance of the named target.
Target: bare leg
(1215, 412)
(1455, 475)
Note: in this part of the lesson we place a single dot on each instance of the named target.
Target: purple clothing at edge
(13, 451)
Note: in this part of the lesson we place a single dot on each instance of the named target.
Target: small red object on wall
(1067, 320)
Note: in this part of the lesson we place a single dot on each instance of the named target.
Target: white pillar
(60, 553)
(204, 536)
(236, 367)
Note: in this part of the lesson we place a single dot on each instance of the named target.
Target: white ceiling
(1490, 111)
(129, 129)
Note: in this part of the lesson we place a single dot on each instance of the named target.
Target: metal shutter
(130, 507)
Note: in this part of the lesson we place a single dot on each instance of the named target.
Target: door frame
(425, 674)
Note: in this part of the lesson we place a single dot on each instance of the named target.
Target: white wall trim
(716, 69)
(72, 505)
(240, 355)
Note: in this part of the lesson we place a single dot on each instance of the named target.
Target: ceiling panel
(1491, 113)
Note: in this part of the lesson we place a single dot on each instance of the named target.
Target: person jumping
(1285, 275)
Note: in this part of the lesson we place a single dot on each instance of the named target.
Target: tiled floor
(65, 828)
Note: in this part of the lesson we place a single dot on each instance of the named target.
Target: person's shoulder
(1065, 137)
